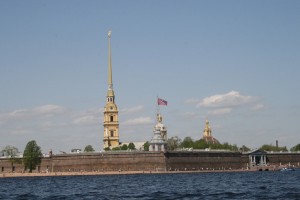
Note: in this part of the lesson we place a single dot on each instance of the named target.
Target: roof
(256, 152)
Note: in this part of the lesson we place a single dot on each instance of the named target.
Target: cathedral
(111, 118)
(207, 136)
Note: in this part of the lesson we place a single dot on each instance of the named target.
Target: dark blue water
(234, 185)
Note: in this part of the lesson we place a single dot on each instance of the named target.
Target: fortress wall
(6, 166)
(245, 161)
(284, 159)
(150, 161)
(109, 161)
(204, 160)
(106, 161)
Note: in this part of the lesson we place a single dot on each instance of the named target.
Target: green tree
(32, 156)
(269, 147)
(200, 144)
(173, 143)
(187, 142)
(131, 146)
(124, 147)
(296, 148)
(89, 148)
(146, 146)
(244, 149)
(11, 152)
(229, 147)
(106, 149)
(116, 149)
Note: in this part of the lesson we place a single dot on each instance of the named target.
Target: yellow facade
(111, 118)
(111, 124)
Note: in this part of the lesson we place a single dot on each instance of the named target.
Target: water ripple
(249, 185)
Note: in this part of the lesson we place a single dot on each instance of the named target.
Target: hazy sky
(236, 63)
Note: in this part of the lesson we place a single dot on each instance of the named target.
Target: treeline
(296, 148)
(175, 143)
(124, 147)
(189, 143)
(269, 147)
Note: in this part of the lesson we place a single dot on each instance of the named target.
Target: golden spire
(207, 130)
(110, 91)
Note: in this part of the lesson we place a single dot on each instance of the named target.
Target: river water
(227, 185)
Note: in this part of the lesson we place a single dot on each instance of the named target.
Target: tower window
(111, 118)
(110, 99)
(111, 133)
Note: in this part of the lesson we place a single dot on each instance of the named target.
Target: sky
(235, 63)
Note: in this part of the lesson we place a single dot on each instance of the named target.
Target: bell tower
(111, 118)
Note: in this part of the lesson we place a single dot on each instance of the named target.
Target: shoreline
(51, 174)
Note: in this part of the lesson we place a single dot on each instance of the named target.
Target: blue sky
(235, 63)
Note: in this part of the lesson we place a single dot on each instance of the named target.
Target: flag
(162, 102)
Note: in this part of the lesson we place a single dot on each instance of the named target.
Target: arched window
(111, 118)
(111, 133)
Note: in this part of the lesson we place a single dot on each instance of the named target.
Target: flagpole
(157, 106)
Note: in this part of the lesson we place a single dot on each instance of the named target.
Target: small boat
(286, 169)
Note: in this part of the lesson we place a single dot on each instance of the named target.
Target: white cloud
(221, 111)
(16, 113)
(41, 111)
(19, 131)
(258, 106)
(48, 109)
(139, 121)
(89, 117)
(132, 109)
(86, 120)
(230, 99)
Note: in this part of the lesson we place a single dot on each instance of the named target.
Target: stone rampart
(149, 161)
(203, 160)
(283, 158)
(106, 161)
(109, 161)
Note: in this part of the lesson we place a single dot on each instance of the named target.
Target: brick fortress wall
(149, 161)
(203, 160)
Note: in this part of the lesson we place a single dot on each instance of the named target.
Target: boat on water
(286, 169)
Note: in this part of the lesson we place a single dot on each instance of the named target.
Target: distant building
(207, 136)
(159, 139)
(76, 151)
(111, 119)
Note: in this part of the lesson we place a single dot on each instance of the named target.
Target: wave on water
(238, 185)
